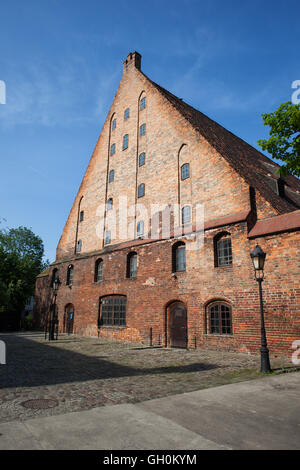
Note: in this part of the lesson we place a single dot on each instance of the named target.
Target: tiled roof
(280, 223)
(254, 167)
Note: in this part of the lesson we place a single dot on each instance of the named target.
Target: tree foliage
(284, 141)
(21, 260)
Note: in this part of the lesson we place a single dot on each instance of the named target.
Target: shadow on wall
(31, 364)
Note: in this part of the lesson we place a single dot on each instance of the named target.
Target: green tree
(21, 260)
(284, 141)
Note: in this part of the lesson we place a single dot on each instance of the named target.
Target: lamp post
(258, 257)
(55, 287)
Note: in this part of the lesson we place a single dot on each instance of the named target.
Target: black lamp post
(55, 287)
(258, 258)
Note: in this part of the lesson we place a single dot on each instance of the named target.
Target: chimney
(133, 60)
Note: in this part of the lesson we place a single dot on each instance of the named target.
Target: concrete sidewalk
(258, 414)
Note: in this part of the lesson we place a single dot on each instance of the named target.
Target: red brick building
(137, 283)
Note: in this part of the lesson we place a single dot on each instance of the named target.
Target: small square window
(143, 103)
(126, 114)
(141, 190)
(142, 158)
(81, 216)
(142, 130)
(111, 176)
(112, 149)
(125, 142)
(114, 124)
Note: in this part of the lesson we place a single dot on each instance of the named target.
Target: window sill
(113, 327)
(225, 266)
(218, 335)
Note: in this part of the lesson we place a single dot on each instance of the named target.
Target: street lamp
(55, 287)
(258, 257)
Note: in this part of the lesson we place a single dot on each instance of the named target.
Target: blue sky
(61, 61)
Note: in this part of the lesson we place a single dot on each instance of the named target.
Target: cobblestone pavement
(82, 373)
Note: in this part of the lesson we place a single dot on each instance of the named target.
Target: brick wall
(154, 288)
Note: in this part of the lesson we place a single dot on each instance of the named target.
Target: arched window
(178, 257)
(99, 270)
(131, 270)
(81, 216)
(186, 214)
(109, 204)
(141, 190)
(185, 171)
(222, 249)
(79, 246)
(70, 275)
(111, 176)
(112, 311)
(219, 318)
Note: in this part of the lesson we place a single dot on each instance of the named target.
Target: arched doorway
(177, 325)
(69, 319)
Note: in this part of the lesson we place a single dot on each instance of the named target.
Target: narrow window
(112, 311)
(142, 158)
(140, 228)
(131, 265)
(142, 130)
(185, 171)
(109, 204)
(125, 142)
(98, 270)
(81, 216)
(141, 190)
(54, 276)
(186, 214)
(219, 319)
(107, 237)
(70, 274)
(223, 249)
(143, 103)
(114, 124)
(178, 257)
(112, 149)
(79, 245)
(126, 114)
(111, 176)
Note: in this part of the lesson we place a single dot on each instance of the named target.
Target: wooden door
(178, 325)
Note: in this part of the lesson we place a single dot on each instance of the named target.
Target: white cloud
(58, 94)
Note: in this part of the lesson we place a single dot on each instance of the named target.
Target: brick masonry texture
(171, 140)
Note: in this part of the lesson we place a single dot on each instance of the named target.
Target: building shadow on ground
(31, 363)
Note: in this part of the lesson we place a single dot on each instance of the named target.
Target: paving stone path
(82, 373)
